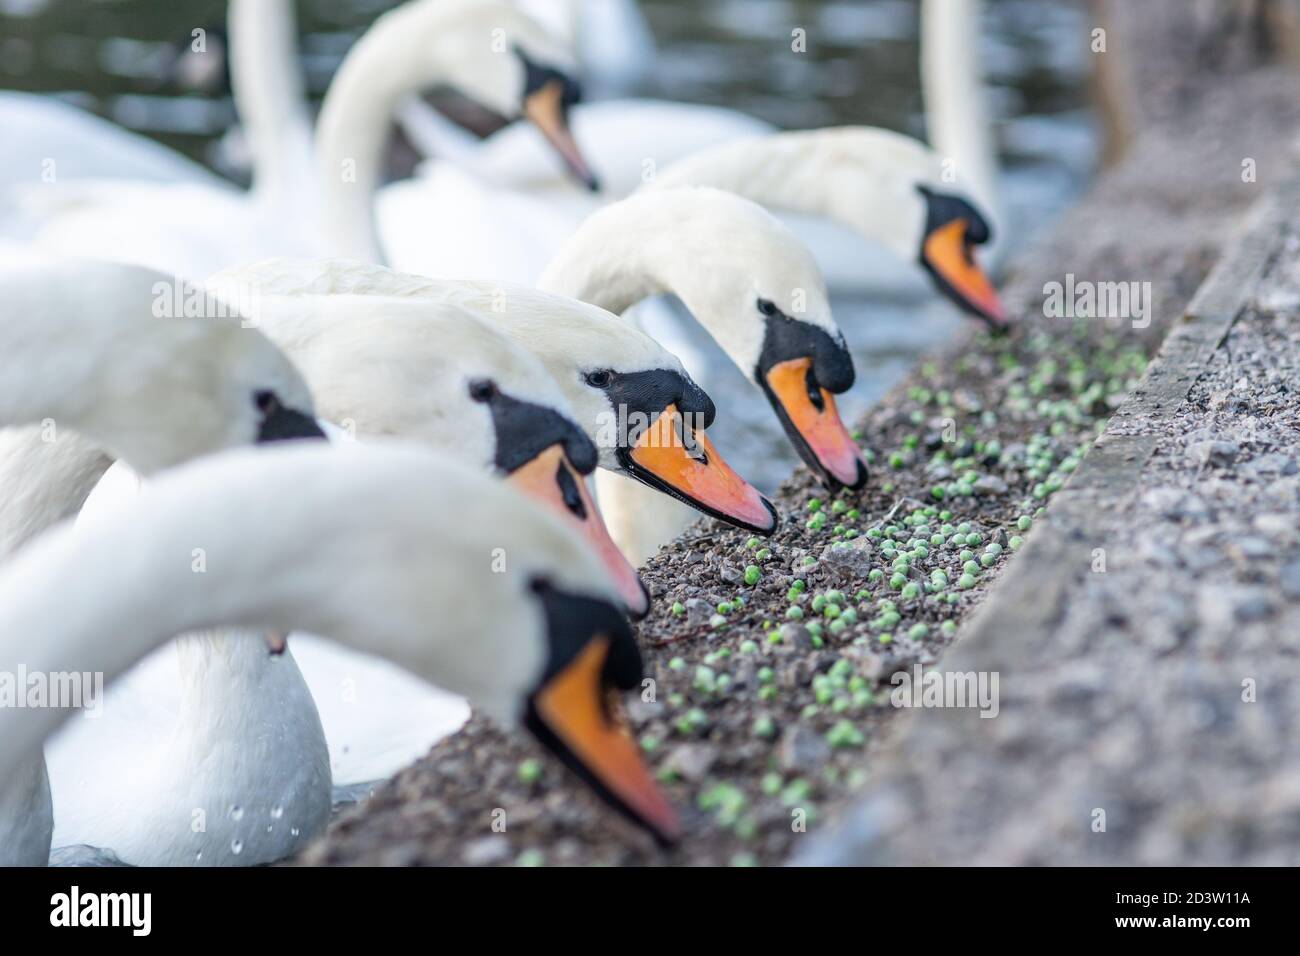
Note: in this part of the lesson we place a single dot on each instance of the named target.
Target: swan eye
(482, 390)
(601, 379)
(767, 307)
(266, 402)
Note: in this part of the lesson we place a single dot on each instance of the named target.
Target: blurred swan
(83, 351)
(300, 203)
(539, 643)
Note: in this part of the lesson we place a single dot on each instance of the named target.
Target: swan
(630, 395)
(888, 188)
(85, 352)
(387, 550)
(611, 38)
(168, 223)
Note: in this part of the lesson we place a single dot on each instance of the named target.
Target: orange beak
(947, 255)
(552, 479)
(545, 109)
(581, 731)
(683, 463)
(813, 423)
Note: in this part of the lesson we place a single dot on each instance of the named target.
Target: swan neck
(269, 94)
(952, 88)
(383, 67)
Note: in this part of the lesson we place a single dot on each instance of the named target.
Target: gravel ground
(765, 724)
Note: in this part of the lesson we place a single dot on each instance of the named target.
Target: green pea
(910, 591)
(676, 664)
(679, 608)
(530, 771)
(752, 574)
(764, 726)
(749, 647)
(966, 582)
(814, 505)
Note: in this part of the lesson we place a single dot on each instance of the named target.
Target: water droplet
(236, 847)
(294, 831)
(236, 812)
(277, 813)
(198, 856)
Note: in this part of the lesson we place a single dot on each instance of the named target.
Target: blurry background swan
(128, 61)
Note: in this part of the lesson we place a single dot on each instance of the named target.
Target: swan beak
(813, 423)
(573, 718)
(552, 479)
(277, 642)
(947, 255)
(545, 108)
(691, 470)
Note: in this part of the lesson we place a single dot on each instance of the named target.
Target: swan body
(392, 569)
(39, 129)
(210, 752)
(82, 352)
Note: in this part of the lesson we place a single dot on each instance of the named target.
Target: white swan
(628, 393)
(888, 188)
(284, 530)
(84, 350)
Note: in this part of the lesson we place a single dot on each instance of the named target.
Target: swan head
(506, 62)
(645, 414)
(952, 228)
(151, 367)
(591, 655)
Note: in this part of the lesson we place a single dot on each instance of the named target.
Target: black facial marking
(537, 75)
(572, 620)
(569, 491)
(524, 430)
(280, 423)
(651, 391)
(943, 208)
(787, 338)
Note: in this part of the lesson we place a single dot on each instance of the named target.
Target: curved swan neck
(269, 94)
(860, 176)
(403, 51)
(952, 88)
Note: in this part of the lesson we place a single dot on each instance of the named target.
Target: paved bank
(759, 725)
